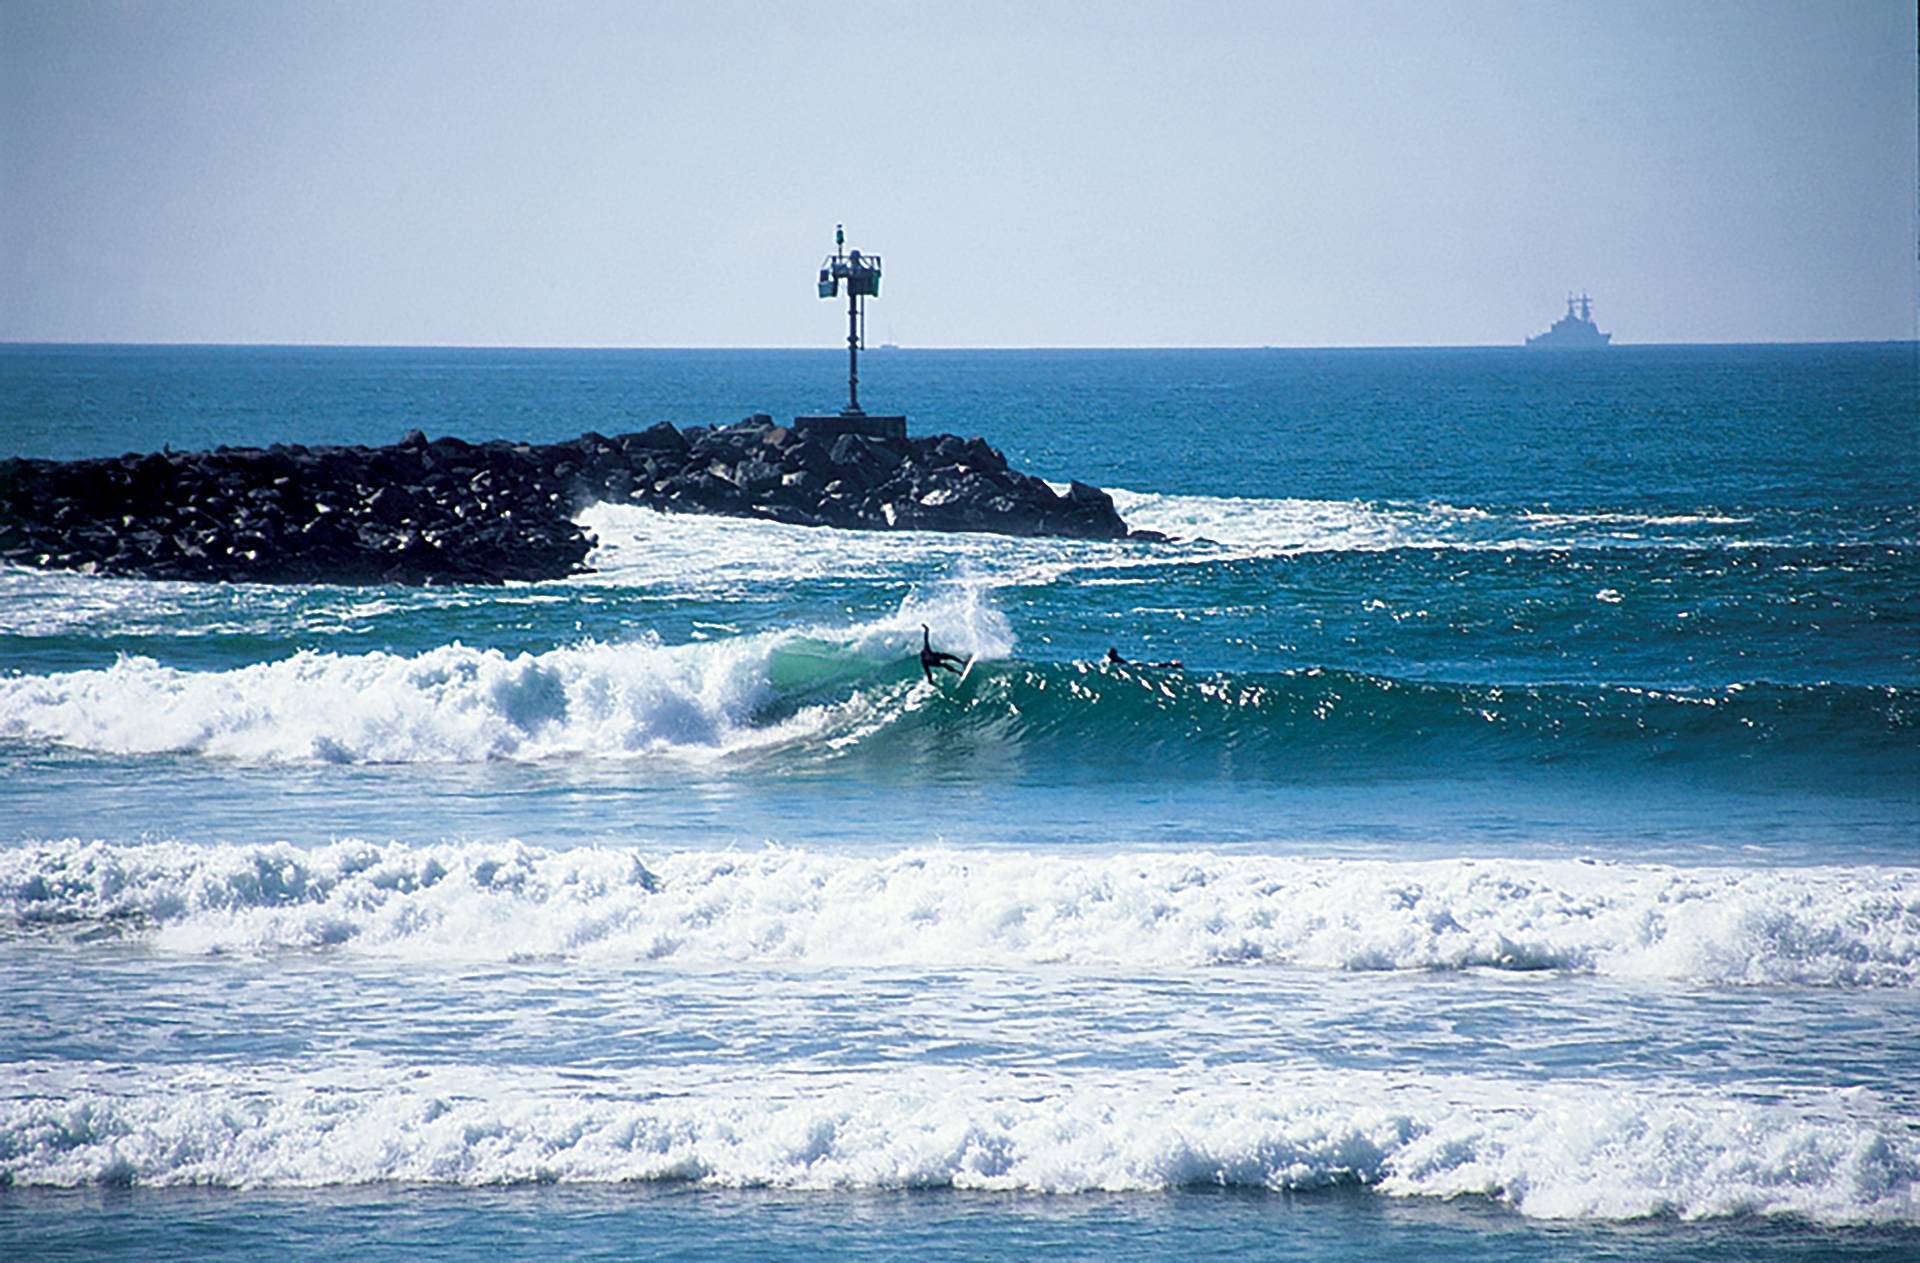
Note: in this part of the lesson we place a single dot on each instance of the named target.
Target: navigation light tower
(861, 272)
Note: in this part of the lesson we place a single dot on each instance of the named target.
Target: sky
(1032, 174)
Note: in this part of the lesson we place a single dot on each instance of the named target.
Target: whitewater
(1520, 863)
(1567, 1151)
(948, 908)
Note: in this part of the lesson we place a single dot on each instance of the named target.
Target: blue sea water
(1525, 862)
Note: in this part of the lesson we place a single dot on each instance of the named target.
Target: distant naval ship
(1573, 331)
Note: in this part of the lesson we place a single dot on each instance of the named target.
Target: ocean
(1523, 862)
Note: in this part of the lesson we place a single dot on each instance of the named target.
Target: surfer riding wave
(931, 657)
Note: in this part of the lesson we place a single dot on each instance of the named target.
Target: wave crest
(854, 691)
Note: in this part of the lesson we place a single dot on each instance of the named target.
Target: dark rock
(661, 437)
(808, 454)
(390, 504)
(756, 475)
(445, 510)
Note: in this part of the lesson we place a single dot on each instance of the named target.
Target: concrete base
(853, 423)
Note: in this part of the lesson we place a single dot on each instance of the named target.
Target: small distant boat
(1573, 331)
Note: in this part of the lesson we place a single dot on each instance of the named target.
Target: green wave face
(1101, 720)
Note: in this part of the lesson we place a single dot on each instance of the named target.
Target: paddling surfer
(931, 657)
(1115, 660)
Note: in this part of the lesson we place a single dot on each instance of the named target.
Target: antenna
(861, 272)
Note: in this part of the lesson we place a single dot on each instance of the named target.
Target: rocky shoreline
(447, 511)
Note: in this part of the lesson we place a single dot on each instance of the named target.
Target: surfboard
(966, 670)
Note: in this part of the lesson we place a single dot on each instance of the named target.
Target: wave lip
(935, 907)
(1578, 1150)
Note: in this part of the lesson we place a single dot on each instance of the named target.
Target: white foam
(715, 556)
(1287, 525)
(941, 907)
(686, 554)
(460, 704)
(1266, 527)
(1550, 1149)
(645, 547)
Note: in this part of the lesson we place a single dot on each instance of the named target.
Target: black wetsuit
(931, 657)
(1115, 660)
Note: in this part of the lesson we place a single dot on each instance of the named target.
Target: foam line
(937, 907)
(1552, 1150)
(715, 555)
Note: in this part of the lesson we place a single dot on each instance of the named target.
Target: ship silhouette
(1573, 331)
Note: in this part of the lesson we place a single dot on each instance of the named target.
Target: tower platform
(853, 423)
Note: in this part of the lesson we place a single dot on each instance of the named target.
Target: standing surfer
(931, 657)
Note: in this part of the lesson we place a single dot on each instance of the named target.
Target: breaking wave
(852, 693)
(1551, 1150)
(938, 907)
(461, 704)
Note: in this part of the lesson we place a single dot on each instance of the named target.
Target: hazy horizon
(1150, 176)
(839, 348)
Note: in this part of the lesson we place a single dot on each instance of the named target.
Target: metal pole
(853, 347)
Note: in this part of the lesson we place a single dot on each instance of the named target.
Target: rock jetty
(447, 511)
